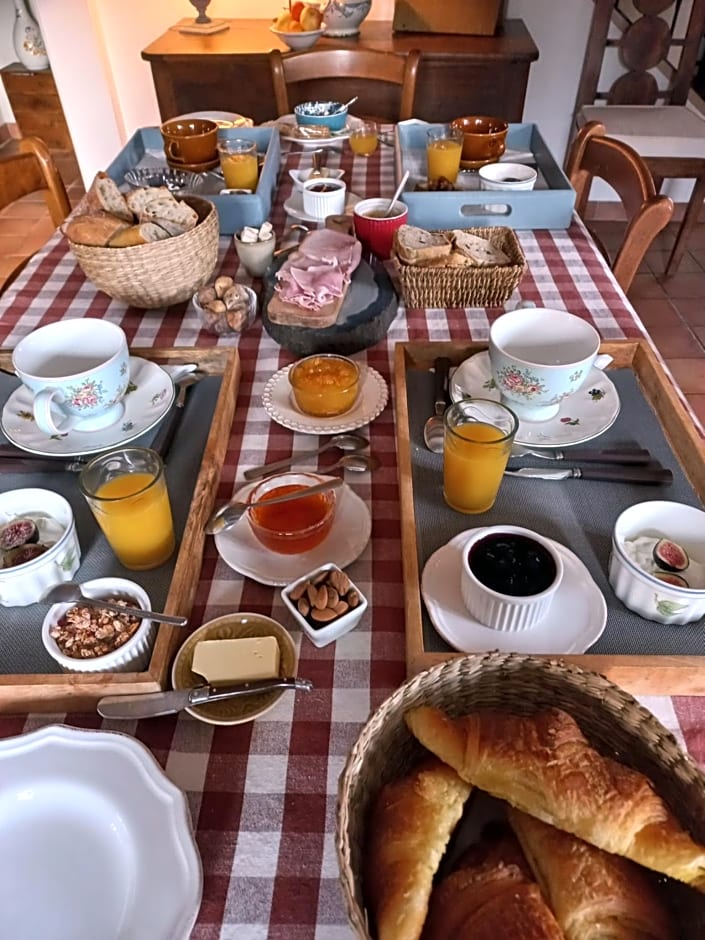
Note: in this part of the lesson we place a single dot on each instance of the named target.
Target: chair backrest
(363, 65)
(593, 154)
(33, 170)
(624, 56)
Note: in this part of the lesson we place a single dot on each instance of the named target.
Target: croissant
(491, 897)
(592, 893)
(409, 827)
(543, 765)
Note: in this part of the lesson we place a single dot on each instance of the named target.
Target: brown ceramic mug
(190, 141)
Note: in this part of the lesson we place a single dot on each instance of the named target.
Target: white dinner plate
(279, 404)
(96, 841)
(581, 417)
(221, 118)
(346, 540)
(574, 622)
(287, 122)
(294, 206)
(148, 398)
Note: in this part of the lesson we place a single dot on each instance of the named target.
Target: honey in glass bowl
(325, 385)
(297, 525)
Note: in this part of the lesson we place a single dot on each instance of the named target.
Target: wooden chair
(32, 170)
(360, 71)
(645, 106)
(593, 154)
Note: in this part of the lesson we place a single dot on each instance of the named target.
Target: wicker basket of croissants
(506, 796)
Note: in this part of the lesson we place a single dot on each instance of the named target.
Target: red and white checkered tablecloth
(263, 795)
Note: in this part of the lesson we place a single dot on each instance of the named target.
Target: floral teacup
(78, 371)
(539, 357)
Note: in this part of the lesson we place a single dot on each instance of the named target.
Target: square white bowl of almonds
(325, 603)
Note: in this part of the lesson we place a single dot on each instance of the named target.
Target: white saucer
(97, 841)
(346, 540)
(575, 621)
(279, 404)
(221, 118)
(287, 121)
(294, 206)
(581, 417)
(148, 398)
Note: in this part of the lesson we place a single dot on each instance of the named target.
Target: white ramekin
(503, 611)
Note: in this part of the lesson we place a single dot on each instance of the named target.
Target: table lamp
(203, 25)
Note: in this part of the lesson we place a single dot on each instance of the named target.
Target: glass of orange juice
(126, 490)
(364, 138)
(477, 441)
(238, 161)
(444, 145)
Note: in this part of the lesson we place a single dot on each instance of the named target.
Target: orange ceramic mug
(484, 138)
(190, 141)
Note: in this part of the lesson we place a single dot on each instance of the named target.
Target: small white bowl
(302, 40)
(132, 656)
(512, 177)
(506, 612)
(325, 633)
(640, 591)
(28, 583)
(299, 177)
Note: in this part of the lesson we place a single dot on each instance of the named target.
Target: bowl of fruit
(299, 26)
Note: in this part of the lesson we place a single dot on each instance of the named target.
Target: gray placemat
(21, 648)
(578, 513)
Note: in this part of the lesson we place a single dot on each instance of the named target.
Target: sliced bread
(105, 194)
(479, 250)
(137, 199)
(95, 230)
(170, 210)
(413, 245)
(140, 234)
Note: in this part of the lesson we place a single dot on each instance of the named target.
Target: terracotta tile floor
(673, 310)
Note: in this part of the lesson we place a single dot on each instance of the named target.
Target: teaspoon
(433, 428)
(69, 592)
(359, 463)
(352, 442)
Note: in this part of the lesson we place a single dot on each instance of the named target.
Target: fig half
(670, 556)
(670, 577)
(18, 532)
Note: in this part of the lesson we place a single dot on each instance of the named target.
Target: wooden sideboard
(459, 75)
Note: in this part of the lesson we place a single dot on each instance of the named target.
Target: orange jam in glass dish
(297, 525)
(325, 385)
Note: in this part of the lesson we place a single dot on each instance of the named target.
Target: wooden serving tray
(80, 691)
(638, 674)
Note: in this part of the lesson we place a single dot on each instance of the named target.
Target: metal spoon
(360, 463)
(230, 513)
(69, 592)
(433, 428)
(352, 442)
(317, 161)
(397, 193)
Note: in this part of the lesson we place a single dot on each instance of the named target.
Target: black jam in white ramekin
(511, 564)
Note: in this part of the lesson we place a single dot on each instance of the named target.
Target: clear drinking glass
(127, 492)
(444, 146)
(364, 139)
(477, 442)
(238, 161)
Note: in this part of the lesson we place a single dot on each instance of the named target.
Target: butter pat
(223, 662)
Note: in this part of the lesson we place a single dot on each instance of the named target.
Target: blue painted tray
(548, 205)
(145, 149)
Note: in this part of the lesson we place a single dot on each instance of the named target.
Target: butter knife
(152, 704)
(623, 474)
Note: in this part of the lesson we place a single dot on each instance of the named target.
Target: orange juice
(443, 157)
(474, 458)
(239, 170)
(134, 513)
(364, 140)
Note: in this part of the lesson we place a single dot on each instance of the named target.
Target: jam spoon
(230, 513)
(352, 442)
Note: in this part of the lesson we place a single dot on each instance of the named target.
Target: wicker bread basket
(466, 285)
(160, 273)
(612, 720)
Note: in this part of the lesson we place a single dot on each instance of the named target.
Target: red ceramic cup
(376, 233)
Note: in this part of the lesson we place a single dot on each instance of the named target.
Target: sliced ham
(320, 271)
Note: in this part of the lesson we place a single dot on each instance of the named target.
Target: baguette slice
(411, 822)
(414, 245)
(105, 195)
(169, 209)
(141, 234)
(591, 892)
(543, 765)
(138, 198)
(479, 251)
(95, 230)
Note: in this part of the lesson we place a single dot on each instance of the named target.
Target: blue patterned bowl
(330, 114)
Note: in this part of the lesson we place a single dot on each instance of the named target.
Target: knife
(152, 704)
(164, 437)
(620, 455)
(29, 464)
(655, 474)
